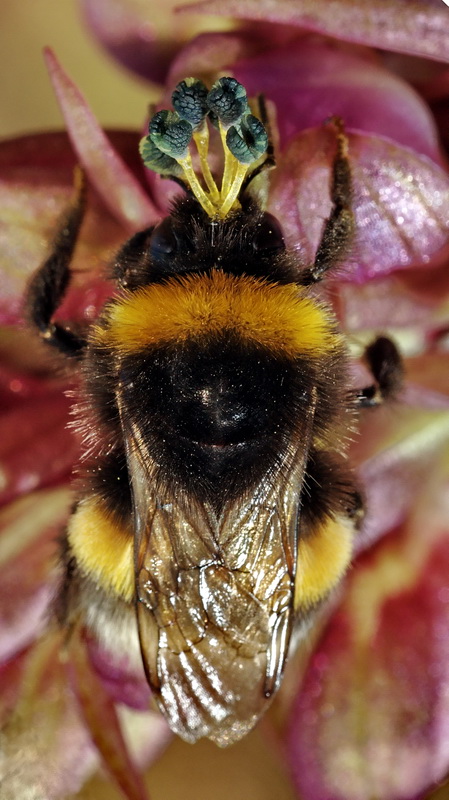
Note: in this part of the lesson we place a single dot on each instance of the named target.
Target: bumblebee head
(217, 224)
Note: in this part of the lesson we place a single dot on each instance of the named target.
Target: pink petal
(84, 303)
(16, 387)
(371, 719)
(428, 374)
(46, 751)
(130, 31)
(208, 54)
(35, 188)
(28, 554)
(120, 190)
(36, 447)
(11, 678)
(420, 28)
(413, 298)
(101, 717)
(123, 682)
(391, 471)
(401, 202)
(310, 81)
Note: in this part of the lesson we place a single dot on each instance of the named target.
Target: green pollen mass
(189, 100)
(155, 159)
(170, 134)
(227, 101)
(248, 140)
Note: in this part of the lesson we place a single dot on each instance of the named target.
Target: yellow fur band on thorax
(279, 317)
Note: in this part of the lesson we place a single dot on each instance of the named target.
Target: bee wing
(215, 597)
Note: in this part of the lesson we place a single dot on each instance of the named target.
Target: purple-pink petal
(412, 298)
(46, 750)
(121, 192)
(35, 188)
(310, 81)
(419, 28)
(100, 715)
(28, 552)
(36, 447)
(372, 715)
(124, 683)
(401, 202)
(129, 32)
(391, 473)
(208, 54)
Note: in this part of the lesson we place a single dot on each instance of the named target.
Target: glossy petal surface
(120, 190)
(420, 27)
(401, 202)
(372, 716)
(35, 188)
(311, 81)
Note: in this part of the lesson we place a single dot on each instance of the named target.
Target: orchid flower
(364, 709)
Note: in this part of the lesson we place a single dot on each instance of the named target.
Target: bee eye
(269, 235)
(163, 241)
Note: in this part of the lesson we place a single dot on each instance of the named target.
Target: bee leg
(330, 490)
(339, 227)
(49, 284)
(262, 114)
(66, 602)
(386, 366)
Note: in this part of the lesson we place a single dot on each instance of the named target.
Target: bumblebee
(217, 509)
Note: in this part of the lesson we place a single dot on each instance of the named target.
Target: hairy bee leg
(49, 284)
(330, 489)
(385, 363)
(65, 603)
(339, 227)
(264, 118)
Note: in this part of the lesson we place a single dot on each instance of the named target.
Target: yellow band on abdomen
(323, 557)
(103, 550)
